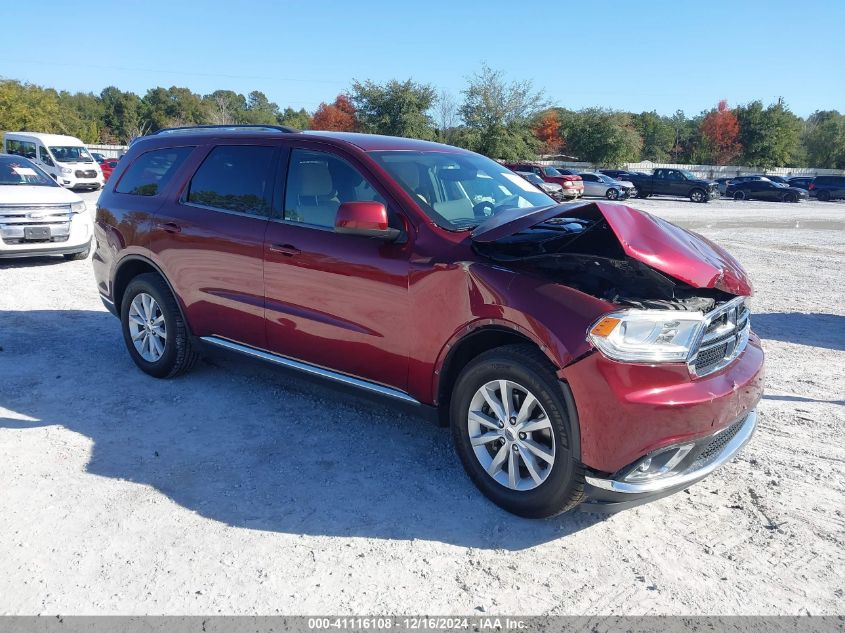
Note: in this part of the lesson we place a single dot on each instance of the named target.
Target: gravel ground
(242, 489)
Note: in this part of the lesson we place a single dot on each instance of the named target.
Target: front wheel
(739, 195)
(790, 197)
(697, 195)
(642, 194)
(612, 194)
(511, 430)
(153, 329)
(823, 196)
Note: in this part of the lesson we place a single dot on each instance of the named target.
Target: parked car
(737, 179)
(552, 189)
(108, 166)
(573, 187)
(828, 187)
(588, 353)
(765, 190)
(65, 158)
(37, 216)
(675, 182)
(602, 186)
(722, 183)
(620, 174)
(778, 179)
(802, 182)
(100, 158)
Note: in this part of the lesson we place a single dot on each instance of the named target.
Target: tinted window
(235, 178)
(21, 148)
(318, 183)
(589, 177)
(149, 174)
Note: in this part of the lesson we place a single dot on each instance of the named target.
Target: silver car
(603, 186)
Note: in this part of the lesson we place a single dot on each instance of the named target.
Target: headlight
(647, 336)
(78, 207)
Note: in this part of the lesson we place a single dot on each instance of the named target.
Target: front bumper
(609, 494)
(572, 194)
(73, 239)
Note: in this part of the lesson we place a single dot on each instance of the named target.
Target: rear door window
(149, 174)
(236, 178)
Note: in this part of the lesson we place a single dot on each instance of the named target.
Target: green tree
(498, 115)
(396, 108)
(299, 119)
(81, 115)
(173, 106)
(260, 110)
(121, 115)
(658, 135)
(225, 107)
(28, 107)
(769, 136)
(603, 137)
(824, 139)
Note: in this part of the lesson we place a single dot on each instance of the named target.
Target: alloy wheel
(147, 327)
(511, 435)
(697, 196)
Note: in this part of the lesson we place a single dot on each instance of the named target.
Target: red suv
(579, 354)
(573, 184)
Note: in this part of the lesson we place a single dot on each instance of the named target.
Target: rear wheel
(790, 197)
(153, 329)
(510, 426)
(739, 195)
(824, 196)
(642, 194)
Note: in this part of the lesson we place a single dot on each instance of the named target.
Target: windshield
(71, 154)
(16, 170)
(551, 171)
(534, 179)
(687, 174)
(460, 191)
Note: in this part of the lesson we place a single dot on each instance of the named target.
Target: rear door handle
(169, 227)
(285, 249)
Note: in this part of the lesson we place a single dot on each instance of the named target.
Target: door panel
(334, 300)
(210, 242)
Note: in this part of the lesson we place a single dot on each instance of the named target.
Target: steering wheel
(483, 209)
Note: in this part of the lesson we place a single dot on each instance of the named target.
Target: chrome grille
(13, 220)
(725, 337)
(87, 173)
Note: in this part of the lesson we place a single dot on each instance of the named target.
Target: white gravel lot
(242, 489)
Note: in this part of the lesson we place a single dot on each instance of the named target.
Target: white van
(65, 158)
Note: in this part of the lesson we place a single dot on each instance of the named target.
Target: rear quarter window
(235, 178)
(149, 174)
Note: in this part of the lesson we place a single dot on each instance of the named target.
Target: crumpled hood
(677, 252)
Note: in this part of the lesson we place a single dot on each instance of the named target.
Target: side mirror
(364, 218)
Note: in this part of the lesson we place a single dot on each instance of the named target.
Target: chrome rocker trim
(684, 479)
(312, 370)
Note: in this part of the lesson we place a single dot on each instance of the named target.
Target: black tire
(612, 194)
(80, 255)
(642, 194)
(178, 356)
(698, 195)
(739, 195)
(823, 196)
(790, 197)
(563, 487)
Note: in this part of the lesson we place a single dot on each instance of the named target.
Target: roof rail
(235, 126)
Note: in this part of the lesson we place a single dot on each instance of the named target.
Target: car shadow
(250, 445)
(31, 262)
(815, 329)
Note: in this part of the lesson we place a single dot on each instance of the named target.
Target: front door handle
(169, 227)
(285, 249)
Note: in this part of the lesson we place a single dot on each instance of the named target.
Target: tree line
(491, 115)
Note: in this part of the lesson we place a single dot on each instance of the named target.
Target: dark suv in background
(828, 187)
(579, 353)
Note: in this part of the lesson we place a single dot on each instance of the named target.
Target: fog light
(661, 464)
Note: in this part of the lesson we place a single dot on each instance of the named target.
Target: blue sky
(627, 55)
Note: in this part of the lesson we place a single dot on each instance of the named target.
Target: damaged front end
(616, 253)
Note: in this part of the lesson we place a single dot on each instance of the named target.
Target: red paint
(390, 311)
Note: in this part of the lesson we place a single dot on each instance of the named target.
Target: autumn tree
(338, 116)
(720, 133)
(547, 131)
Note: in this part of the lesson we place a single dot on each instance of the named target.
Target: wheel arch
(469, 344)
(130, 267)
